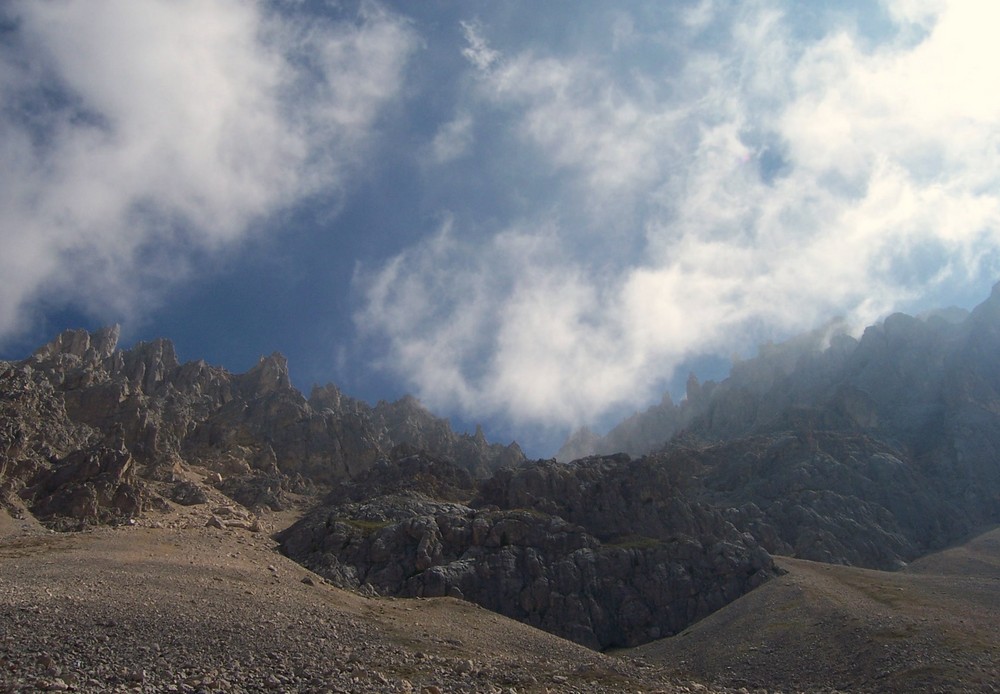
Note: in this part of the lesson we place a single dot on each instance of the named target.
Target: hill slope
(188, 608)
(934, 626)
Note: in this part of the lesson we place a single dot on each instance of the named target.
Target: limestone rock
(92, 485)
(255, 431)
(188, 493)
(536, 555)
(868, 451)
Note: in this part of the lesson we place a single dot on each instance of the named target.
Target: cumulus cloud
(137, 135)
(769, 184)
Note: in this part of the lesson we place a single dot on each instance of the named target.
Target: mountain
(867, 453)
(912, 380)
(94, 434)
(90, 429)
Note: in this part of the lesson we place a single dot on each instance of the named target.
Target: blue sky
(530, 215)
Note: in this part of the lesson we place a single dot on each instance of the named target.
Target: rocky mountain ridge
(889, 442)
(151, 415)
(903, 379)
(94, 434)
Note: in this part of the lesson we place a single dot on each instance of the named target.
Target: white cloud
(770, 185)
(453, 139)
(478, 51)
(135, 134)
(918, 12)
(700, 15)
(584, 120)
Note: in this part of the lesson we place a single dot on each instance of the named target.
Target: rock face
(551, 545)
(90, 485)
(84, 423)
(825, 496)
(867, 451)
(68, 473)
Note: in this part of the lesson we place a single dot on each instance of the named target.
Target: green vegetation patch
(633, 542)
(534, 513)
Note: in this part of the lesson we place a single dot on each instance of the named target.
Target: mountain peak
(269, 375)
(80, 343)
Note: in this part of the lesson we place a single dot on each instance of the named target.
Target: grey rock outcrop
(256, 433)
(66, 472)
(407, 422)
(868, 451)
(89, 486)
(825, 496)
(534, 556)
(642, 433)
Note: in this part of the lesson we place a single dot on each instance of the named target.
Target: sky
(530, 215)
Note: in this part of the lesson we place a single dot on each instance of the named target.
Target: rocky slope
(867, 451)
(550, 545)
(173, 605)
(176, 605)
(826, 496)
(87, 428)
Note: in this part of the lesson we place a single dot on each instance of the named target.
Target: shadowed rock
(536, 545)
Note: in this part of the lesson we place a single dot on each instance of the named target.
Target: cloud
(453, 139)
(495, 327)
(583, 120)
(477, 51)
(137, 136)
(767, 184)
